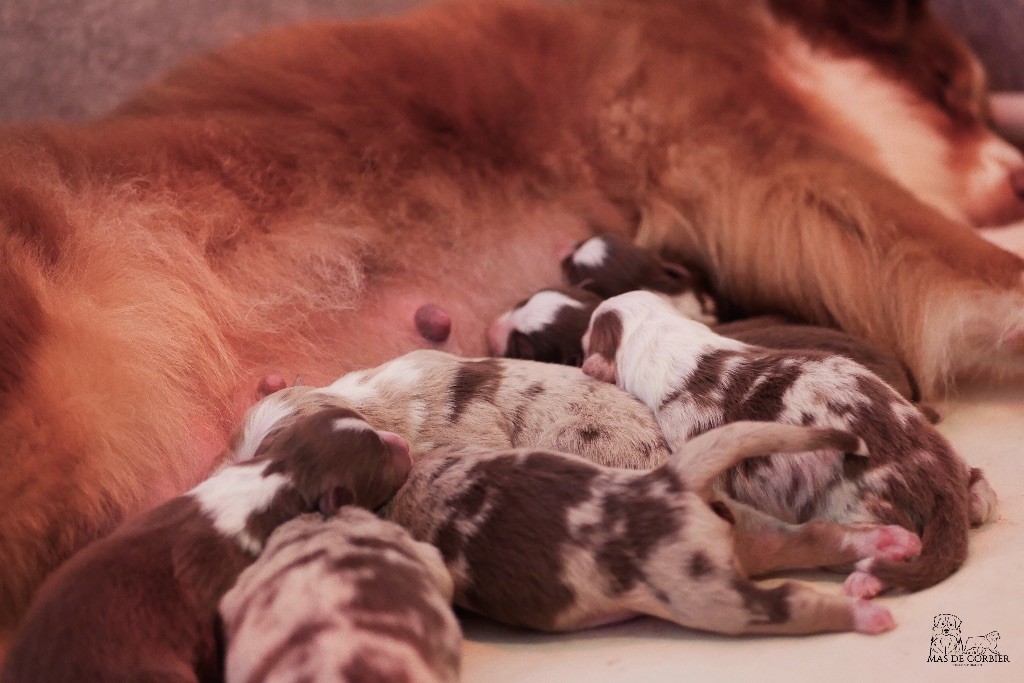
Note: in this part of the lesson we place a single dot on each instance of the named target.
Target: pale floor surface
(987, 427)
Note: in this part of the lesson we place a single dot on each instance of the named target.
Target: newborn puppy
(436, 399)
(553, 542)
(696, 380)
(546, 327)
(609, 266)
(353, 598)
(141, 603)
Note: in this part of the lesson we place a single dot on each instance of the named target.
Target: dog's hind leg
(765, 544)
(732, 604)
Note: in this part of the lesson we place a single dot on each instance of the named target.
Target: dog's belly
(472, 280)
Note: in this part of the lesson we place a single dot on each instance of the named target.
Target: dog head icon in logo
(946, 636)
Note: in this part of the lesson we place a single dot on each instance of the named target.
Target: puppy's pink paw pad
(895, 543)
(862, 585)
(870, 618)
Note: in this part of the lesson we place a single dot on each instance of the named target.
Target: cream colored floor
(987, 427)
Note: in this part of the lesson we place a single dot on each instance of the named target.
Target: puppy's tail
(943, 547)
(702, 459)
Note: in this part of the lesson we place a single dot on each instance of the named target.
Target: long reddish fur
(288, 202)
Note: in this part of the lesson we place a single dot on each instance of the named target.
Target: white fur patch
(540, 311)
(233, 494)
(405, 372)
(591, 253)
(1010, 238)
(260, 421)
(658, 345)
(352, 423)
(877, 109)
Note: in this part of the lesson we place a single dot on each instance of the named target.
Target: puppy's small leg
(794, 609)
(765, 544)
(732, 604)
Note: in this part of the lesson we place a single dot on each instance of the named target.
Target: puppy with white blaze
(141, 604)
(695, 380)
(352, 598)
(552, 542)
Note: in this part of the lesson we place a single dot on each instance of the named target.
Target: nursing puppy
(352, 598)
(553, 542)
(549, 327)
(436, 399)
(608, 266)
(141, 604)
(696, 380)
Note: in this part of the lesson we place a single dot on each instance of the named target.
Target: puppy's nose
(397, 443)
(497, 335)
(1017, 181)
(565, 250)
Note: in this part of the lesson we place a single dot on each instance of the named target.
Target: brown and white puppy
(141, 604)
(553, 542)
(608, 266)
(549, 327)
(696, 380)
(352, 598)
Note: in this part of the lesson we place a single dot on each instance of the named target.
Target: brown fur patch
(529, 502)
(475, 381)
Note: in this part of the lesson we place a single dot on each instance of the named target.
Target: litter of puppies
(539, 494)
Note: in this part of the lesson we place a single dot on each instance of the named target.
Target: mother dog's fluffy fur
(288, 202)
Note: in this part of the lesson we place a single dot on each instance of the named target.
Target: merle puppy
(141, 604)
(433, 399)
(696, 380)
(553, 542)
(353, 598)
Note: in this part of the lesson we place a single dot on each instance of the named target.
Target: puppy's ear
(519, 346)
(605, 336)
(600, 368)
(332, 500)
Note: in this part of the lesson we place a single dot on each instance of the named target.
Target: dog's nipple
(271, 383)
(433, 323)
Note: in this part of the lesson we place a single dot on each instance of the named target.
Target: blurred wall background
(72, 59)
